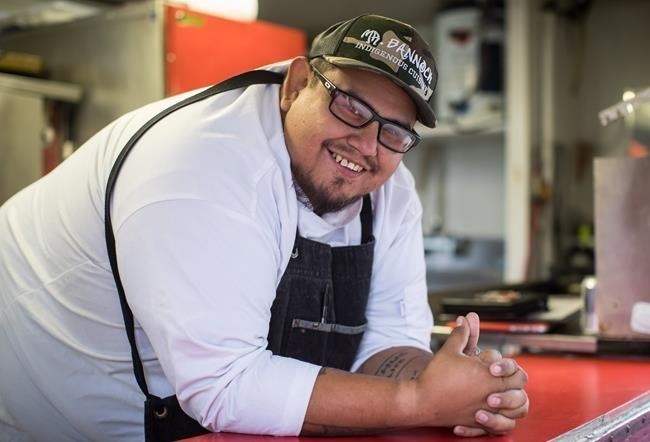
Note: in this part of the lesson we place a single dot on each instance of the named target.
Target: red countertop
(565, 392)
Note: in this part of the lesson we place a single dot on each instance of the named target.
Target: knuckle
(511, 365)
(514, 399)
(520, 413)
(500, 425)
(514, 404)
(490, 355)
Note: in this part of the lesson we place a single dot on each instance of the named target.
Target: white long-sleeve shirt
(205, 216)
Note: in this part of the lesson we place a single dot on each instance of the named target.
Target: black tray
(495, 304)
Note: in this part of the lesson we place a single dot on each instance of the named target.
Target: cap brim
(425, 114)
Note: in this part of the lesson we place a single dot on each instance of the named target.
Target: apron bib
(319, 313)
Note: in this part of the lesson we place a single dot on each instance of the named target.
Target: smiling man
(336, 166)
(247, 258)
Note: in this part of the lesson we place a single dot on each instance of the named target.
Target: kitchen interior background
(506, 180)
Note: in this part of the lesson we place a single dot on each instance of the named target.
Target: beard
(321, 199)
(329, 196)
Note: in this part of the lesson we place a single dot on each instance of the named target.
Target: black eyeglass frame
(332, 90)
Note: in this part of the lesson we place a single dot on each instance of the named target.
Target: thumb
(459, 336)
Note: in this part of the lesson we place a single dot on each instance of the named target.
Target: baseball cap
(389, 47)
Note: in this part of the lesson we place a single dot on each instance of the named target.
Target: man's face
(333, 163)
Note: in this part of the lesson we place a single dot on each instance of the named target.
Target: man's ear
(295, 81)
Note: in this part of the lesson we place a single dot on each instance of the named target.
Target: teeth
(346, 163)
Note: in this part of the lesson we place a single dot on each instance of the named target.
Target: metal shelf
(45, 88)
(493, 124)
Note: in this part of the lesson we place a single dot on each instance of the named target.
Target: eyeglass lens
(357, 114)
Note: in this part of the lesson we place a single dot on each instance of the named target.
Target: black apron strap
(366, 220)
(240, 81)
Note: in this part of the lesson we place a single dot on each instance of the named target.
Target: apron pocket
(326, 344)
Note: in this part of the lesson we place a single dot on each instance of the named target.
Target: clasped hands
(504, 406)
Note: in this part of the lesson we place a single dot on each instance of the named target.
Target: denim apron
(318, 314)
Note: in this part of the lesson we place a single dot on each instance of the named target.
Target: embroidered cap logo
(372, 37)
(396, 54)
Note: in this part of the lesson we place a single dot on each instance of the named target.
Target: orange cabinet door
(203, 49)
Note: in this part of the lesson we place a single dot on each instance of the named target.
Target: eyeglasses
(356, 113)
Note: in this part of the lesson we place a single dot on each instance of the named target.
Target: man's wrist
(406, 405)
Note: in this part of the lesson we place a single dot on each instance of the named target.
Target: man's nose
(366, 139)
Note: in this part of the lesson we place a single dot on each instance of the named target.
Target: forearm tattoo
(395, 364)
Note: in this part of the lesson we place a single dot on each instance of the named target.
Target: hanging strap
(366, 220)
(240, 81)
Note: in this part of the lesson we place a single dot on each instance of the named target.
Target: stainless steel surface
(24, 106)
(629, 422)
(43, 88)
(561, 309)
(544, 342)
(622, 218)
(461, 261)
(623, 108)
(588, 315)
(20, 142)
(116, 57)
(533, 342)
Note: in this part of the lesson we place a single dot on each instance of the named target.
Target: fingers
(474, 330)
(505, 367)
(490, 355)
(494, 423)
(457, 340)
(509, 406)
(516, 380)
(511, 403)
(489, 423)
(461, 430)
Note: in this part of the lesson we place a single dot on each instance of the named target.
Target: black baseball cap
(386, 46)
